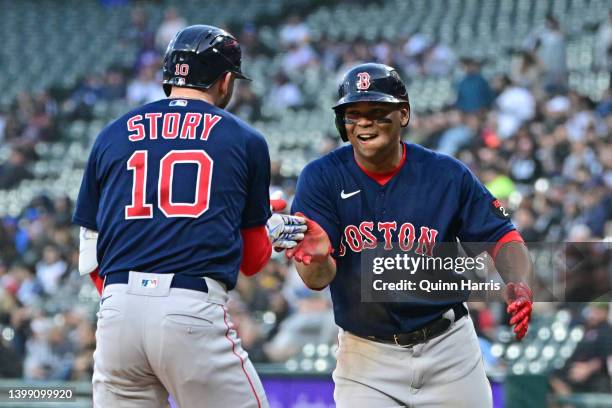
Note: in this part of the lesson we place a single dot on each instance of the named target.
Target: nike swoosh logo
(104, 298)
(344, 195)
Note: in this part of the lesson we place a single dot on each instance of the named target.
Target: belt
(423, 334)
(178, 281)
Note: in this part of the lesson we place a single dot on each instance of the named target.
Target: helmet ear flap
(340, 125)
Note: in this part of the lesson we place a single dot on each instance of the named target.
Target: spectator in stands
(251, 44)
(383, 52)
(145, 88)
(525, 166)
(582, 117)
(50, 269)
(414, 50)
(285, 94)
(463, 128)
(62, 211)
(114, 85)
(294, 31)
(137, 32)
(81, 333)
(524, 220)
(550, 49)
(8, 252)
(29, 289)
(10, 361)
(84, 98)
(245, 103)
(439, 60)
(473, 91)
(15, 170)
(581, 155)
(312, 321)
(515, 105)
(299, 56)
(586, 370)
(605, 158)
(172, 24)
(526, 71)
(49, 354)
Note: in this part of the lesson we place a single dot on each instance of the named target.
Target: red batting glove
(520, 303)
(277, 204)
(277, 201)
(315, 247)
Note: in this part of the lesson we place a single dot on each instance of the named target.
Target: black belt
(178, 281)
(423, 334)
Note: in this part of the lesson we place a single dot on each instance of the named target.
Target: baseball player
(379, 191)
(174, 202)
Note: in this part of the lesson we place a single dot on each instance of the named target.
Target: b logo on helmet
(364, 81)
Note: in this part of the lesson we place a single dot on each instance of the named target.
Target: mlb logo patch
(149, 283)
(178, 102)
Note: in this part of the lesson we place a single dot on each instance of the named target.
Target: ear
(405, 115)
(224, 83)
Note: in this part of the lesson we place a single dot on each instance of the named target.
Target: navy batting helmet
(368, 83)
(198, 55)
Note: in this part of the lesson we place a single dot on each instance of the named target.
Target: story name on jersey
(362, 237)
(171, 125)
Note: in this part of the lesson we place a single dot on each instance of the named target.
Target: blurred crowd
(543, 149)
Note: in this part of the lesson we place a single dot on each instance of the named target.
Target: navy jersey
(169, 185)
(433, 198)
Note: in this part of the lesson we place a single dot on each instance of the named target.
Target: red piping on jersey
(238, 355)
(256, 249)
(383, 178)
(511, 236)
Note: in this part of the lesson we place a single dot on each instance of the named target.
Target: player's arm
(260, 229)
(484, 220)
(312, 255)
(85, 216)
(281, 232)
(88, 257)
(514, 264)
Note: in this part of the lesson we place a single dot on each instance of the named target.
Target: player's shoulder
(435, 161)
(330, 162)
(248, 131)
(237, 127)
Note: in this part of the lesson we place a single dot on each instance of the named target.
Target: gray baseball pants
(152, 340)
(446, 371)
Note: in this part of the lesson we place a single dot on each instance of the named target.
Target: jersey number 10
(138, 164)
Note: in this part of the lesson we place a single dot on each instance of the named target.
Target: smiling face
(374, 130)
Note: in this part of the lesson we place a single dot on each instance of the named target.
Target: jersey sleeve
(482, 219)
(312, 198)
(88, 200)
(257, 209)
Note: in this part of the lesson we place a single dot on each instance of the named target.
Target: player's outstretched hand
(520, 303)
(315, 247)
(285, 231)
